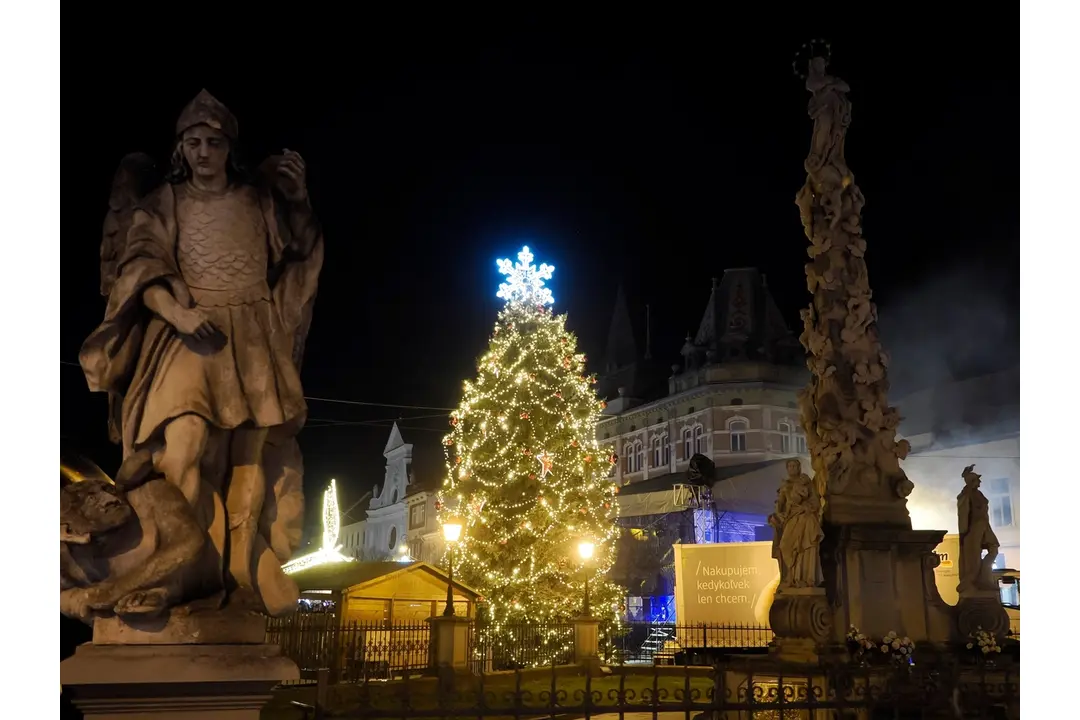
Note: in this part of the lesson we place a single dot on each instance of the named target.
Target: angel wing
(135, 177)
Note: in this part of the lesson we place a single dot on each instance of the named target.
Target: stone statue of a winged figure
(210, 274)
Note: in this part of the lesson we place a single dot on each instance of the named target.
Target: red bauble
(613, 459)
(558, 395)
(588, 458)
(524, 416)
(532, 476)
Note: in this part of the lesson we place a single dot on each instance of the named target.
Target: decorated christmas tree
(526, 476)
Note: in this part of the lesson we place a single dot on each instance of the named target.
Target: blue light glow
(525, 281)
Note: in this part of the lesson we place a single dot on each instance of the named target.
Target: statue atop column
(797, 530)
(210, 278)
(850, 428)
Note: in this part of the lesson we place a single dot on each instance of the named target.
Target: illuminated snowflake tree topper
(525, 281)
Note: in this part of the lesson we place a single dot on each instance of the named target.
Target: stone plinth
(981, 609)
(881, 578)
(802, 621)
(449, 643)
(587, 640)
(174, 682)
(230, 625)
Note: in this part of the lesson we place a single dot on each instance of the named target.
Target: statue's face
(794, 467)
(206, 151)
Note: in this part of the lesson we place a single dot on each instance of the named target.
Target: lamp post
(451, 529)
(585, 550)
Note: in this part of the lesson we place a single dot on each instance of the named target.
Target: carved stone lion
(129, 553)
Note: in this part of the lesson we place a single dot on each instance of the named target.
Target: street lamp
(585, 550)
(451, 530)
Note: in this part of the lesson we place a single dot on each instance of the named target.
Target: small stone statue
(210, 276)
(797, 526)
(976, 535)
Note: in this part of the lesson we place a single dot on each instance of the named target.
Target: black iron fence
(494, 648)
(670, 644)
(352, 652)
(759, 688)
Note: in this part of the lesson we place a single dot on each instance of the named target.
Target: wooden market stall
(367, 618)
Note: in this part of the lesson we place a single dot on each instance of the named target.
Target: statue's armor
(221, 246)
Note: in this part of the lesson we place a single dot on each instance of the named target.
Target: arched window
(785, 436)
(661, 451)
(699, 440)
(628, 457)
(737, 428)
(688, 443)
(639, 450)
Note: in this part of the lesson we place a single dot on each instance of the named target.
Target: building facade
(955, 424)
(397, 518)
(700, 456)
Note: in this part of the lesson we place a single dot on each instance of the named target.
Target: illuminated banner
(725, 583)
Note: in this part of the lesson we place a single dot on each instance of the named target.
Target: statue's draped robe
(136, 356)
(801, 535)
(152, 376)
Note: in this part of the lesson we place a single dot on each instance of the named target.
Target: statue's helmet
(206, 109)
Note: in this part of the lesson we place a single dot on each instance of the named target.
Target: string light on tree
(531, 404)
(330, 550)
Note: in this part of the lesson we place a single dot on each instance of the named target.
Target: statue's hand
(192, 321)
(292, 177)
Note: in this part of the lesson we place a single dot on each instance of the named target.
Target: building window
(393, 538)
(688, 443)
(699, 440)
(628, 457)
(737, 435)
(785, 437)
(417, 516)
(665, 448)
(800, 444)
(997, 492)
(639, 451)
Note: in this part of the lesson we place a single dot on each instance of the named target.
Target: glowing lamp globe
(585, 550)
(451, 530)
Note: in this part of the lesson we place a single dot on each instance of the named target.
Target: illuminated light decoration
(531, 402)
(525, 281)
(330, 550)
(546, 462)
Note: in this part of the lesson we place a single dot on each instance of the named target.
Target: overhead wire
(342, 401)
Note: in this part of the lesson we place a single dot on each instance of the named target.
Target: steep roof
(394, 441)
(742, 322)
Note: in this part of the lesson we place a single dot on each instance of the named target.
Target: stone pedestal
(174, 682)
(881, 578)
(981, 609)
(802, 621)
(449, 643)
(230, 625)
(587, 640)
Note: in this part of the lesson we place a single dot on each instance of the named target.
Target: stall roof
(345, 575)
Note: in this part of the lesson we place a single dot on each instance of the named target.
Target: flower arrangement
(891, 648)
(899, 649)
(859, 644)
(983, 643)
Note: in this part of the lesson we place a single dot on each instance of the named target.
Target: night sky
(655, 156)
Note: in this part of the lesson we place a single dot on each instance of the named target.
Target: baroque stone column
(873, 562)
